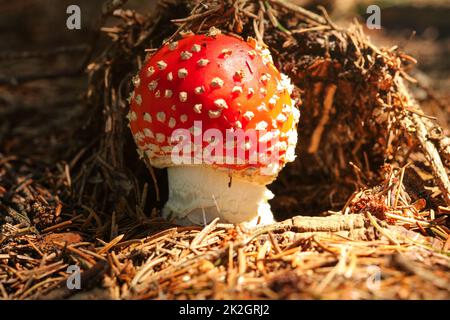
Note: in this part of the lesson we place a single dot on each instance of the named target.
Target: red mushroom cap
(220, 80)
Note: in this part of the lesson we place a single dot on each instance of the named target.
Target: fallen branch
(332, 223)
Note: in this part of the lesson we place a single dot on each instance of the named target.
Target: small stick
(380, 229)
(202, 234)
(111, 244)
(305, 13)
(57, 226)
(318, 28)
(197, 15)
(327, 104)
(263, 250)
(399, 186)
(35, 248)
(242, 263)
(275, 244)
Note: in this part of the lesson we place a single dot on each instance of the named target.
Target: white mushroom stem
(199, 194)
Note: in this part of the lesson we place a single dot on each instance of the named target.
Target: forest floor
(354, 246)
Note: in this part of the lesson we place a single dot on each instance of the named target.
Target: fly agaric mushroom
(225, 84)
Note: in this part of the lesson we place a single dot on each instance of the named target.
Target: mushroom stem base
(199, 194)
